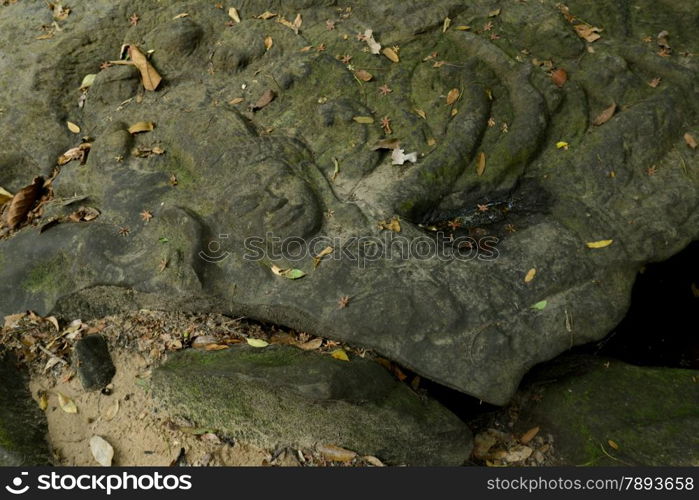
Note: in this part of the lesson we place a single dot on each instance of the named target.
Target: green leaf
(163, 240)
(293, 274)
(541, 305)
(88, 81)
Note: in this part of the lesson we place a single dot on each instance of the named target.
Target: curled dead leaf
(605, 115)
(529, 435)
(149, 76)
(559, 77)
(335, 453)
(364, 75)
(23, 202)
(66, 404)
(139, 127)
(266, 97)
(587, 32)
(453, 96)
(268, 42)
(690, 140)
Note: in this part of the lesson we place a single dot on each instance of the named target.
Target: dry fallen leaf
(257, 342)
(480, 163)
(139, 127)
(149, 76)
(421, 113)
(562, 145)
(340, 354)
(233, 14)
(530, 275)
(112, 411)
(689, 139)
(605, 115)
(5, 195)
(266, 97)
(22, 203)
(373, 461)
(363, 119)
(181, 15)
(391, 225)
(529, 435)
(335, 453)
(587, 32)
(386, 144)
(446, 24)
(43, 401)
(599, 244)
(326, 251)
(73, 127)
(452, 96)
(266, 15)
(102, 451)
(296, 25)
(364, 75)
(559, 77)
(391, 54)
(268, 42)
(66, 404)
(311, 345)
(236, 100)
(613, 444)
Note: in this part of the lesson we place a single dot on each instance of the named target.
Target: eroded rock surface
(282, 396)
(302, 167)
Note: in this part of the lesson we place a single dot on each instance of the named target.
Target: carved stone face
(502, 152)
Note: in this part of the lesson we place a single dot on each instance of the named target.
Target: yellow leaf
(139, 127)
(613, 444)
(391, 54)
(73, 127)
(452, 96)
(5, 196)
(391, 225)
(530, 275)
(462, 27)
(454, 112)
(268, 42)
(363, 119)
(340, 354)
(43, 401)
(66, 404)
(233, 14)
(599, 244)
(494, 13)
(480, 163)
(562, 145)
(257, 342)
(419, 112)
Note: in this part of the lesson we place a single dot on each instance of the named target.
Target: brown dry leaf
(421, 113)
(587, 32)
(655, 82)
(318, 258)
(266, 97)
(530, 275)
(73, 127)
(268, 42)
(386, 144)
(311, 345)
(613, 444)
(66, 404)
(76, 153)
(233, 14)
(364, 75)
(559, 77)
(149, 76)
(390, 54)
(5, 195)
(236, 100)
(480, 163)
(335, 454)
(296, 25)
(22, 203)
(267, 15)
(453, 96)
(690, 140)
(181, 15)
(370, 459)
(529, 435)
(605, 115)
(53, 321)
